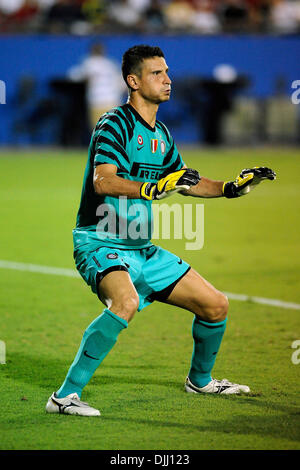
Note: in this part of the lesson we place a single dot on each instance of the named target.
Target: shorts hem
(101, 274)
(163, 294)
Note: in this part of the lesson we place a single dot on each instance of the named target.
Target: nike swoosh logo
(63, 407)
(221, 388)
(180, 261)
(91, 357)
(139, 148)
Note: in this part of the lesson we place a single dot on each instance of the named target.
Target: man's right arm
(107, 183)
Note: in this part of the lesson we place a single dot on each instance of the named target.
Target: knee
(221, 309)
(125, 307)
(216, 312)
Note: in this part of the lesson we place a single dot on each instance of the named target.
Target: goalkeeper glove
(172, 183)
(247, 180)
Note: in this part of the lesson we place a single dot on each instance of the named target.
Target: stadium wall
(264, 60)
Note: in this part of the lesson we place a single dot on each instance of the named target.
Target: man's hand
(170, 184)
(247, 180)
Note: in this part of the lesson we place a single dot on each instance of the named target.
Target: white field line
(37, 268)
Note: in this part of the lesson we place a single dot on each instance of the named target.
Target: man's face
(153, 82)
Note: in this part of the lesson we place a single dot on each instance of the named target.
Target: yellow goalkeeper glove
(247, 180)
(170, 184)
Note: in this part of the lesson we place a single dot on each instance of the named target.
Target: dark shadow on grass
(263, 426)
(45, 372)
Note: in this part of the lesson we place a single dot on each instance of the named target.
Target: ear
(133, 81)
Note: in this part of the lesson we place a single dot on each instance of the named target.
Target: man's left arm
(205, 188)
(248, 179)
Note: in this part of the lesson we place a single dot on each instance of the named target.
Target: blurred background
(234, 66)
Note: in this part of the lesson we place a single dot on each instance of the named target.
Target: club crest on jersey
(162, 146)
(112, 256)
(154, 145)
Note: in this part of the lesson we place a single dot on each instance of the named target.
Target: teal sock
(98, 339)
(207, 341)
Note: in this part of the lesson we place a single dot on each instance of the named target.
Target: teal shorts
(154, 271)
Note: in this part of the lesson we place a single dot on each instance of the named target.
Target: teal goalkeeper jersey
(140, 153)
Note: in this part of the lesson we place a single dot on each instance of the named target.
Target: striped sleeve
(173, 160)
(109, 141)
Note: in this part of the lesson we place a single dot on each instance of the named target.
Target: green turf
(251, 247)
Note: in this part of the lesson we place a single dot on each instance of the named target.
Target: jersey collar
(139, 117)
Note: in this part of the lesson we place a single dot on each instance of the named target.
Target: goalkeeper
(133, 159)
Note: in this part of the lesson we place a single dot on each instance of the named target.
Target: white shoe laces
(223, 382)
(79, 401)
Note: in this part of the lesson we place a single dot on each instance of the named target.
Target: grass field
(251, 247)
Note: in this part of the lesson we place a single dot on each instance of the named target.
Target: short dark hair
(134, 56)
